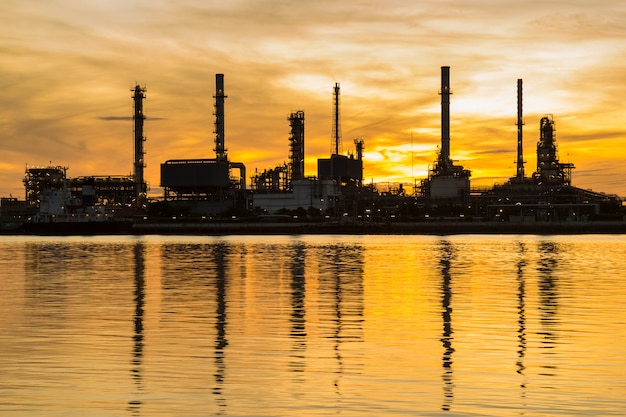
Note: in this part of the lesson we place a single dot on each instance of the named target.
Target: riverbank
(301, 228)
(426, 228)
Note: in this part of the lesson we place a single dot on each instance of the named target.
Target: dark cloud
(127, 118)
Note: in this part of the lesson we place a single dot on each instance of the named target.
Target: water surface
(313, 326)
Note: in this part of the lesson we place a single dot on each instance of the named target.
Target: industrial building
(446, 182)
(280, 179)
(285, 188)
(216, 186)
(50, 192)
(346, 170)
(547, 195)
(336, 186)
(204, 185)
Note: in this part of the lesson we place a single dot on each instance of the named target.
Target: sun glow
(66, 94)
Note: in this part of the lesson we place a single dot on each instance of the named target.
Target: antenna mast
(336, 134)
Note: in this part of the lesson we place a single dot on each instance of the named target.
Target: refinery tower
(446, 181)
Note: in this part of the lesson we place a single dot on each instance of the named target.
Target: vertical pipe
(445, 114)
(220, 151)
(138, 117)
(520, 123)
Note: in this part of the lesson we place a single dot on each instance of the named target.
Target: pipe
(242, 172)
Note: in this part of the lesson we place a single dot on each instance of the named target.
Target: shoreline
(303, 228)
(396, 228)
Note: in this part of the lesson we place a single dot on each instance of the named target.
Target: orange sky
(67, 67)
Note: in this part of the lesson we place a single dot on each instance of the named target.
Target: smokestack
(445, 114)
(520, 123)
(220, 151)
(138, 117)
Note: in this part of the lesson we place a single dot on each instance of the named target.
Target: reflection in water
(447, 254)
(49, 261)
(548, 305)
(138, 336)
(298, 314)
(193, 275)
(219, 253)
(521, 314)
(164, 326)
(344, 271)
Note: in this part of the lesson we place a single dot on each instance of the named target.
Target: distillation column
(296, 143)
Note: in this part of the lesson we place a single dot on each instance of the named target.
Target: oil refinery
(215, 189)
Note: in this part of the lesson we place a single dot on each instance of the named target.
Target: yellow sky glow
(67, 67)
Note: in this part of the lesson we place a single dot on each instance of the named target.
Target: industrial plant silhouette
(212, 189)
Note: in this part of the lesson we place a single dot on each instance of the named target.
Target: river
(313, 325)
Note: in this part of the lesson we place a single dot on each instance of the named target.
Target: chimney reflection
(219, 254)
(138, 336)
(447, 254)
(521, 314)
(298, 313)
(342, 279)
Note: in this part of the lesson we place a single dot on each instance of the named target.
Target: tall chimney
(138, 117)
(445, 114)
(520, 123)
(220, 151)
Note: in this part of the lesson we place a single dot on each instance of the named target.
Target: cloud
(66, 68)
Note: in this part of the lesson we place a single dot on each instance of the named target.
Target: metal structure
(548, 195)
(273, 180)
(220, 150)
(345, 170)
(38, 179)
(549, 169)
(360, 146)
(281, 178)
(139, 164)
(111, 191)
(106, 190)
(208, 185)
(205, 185)
(296, 145)
(446, 181)
(336, 130)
